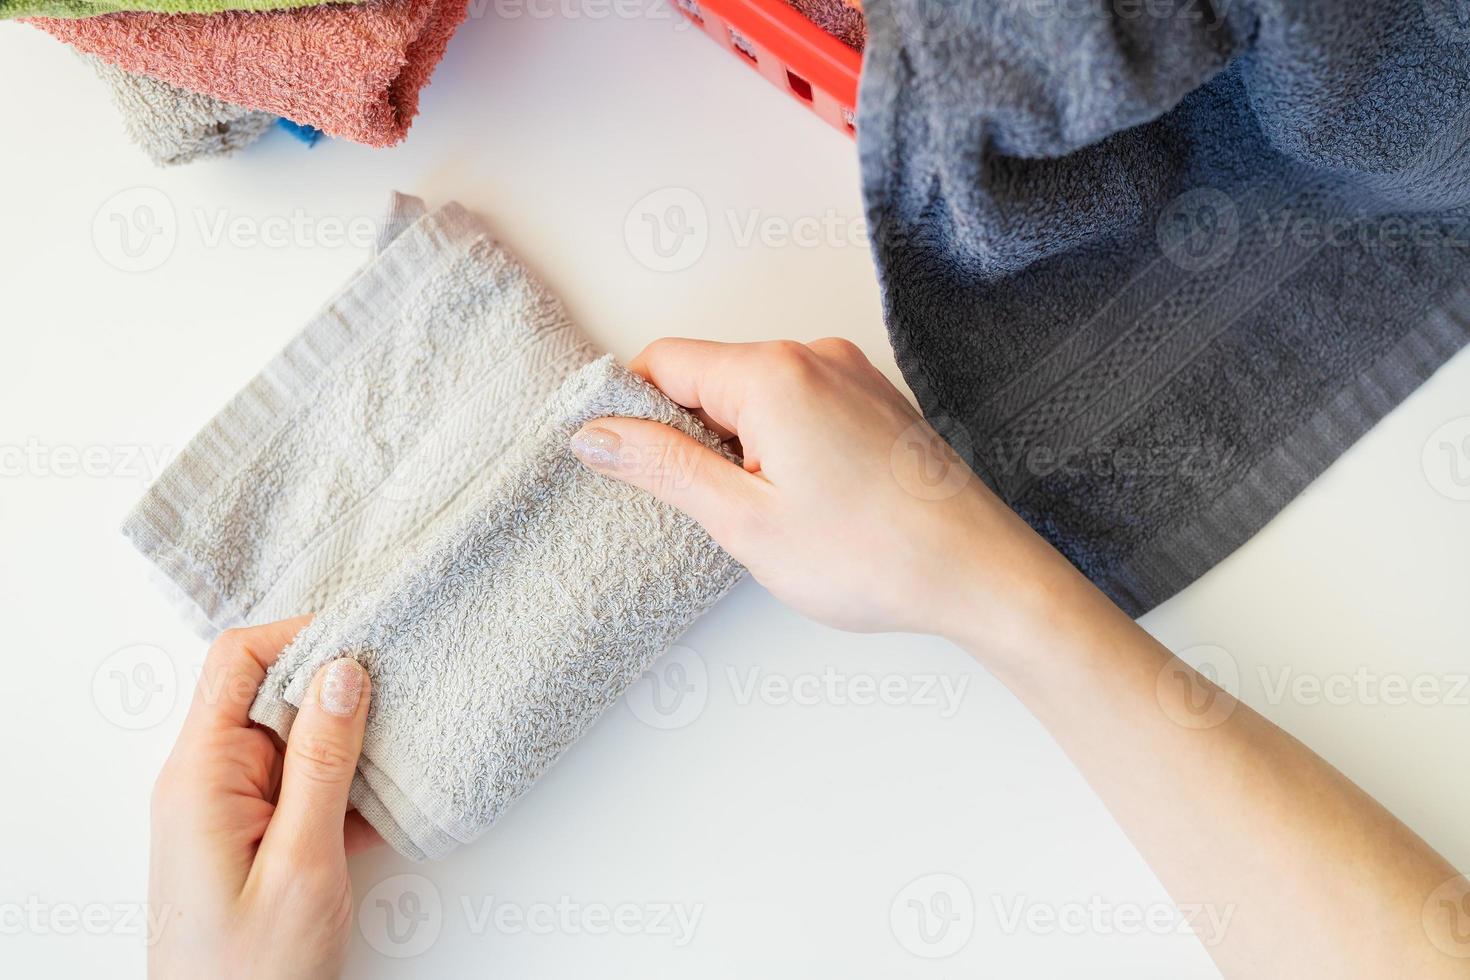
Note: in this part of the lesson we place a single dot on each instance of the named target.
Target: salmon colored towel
(91, 8)
(350, 71)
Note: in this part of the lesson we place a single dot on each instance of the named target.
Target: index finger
(233, 669)
(702, 375)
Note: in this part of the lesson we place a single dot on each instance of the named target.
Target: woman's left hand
(248, 872)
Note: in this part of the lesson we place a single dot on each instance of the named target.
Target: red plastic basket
(788, 50)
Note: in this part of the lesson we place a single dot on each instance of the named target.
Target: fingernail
(341, 687)
(597, 447)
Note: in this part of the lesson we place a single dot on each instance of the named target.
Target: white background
(793, 830)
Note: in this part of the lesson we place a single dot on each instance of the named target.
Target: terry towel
(94, 8)
(350, 71)
(174, 126)
(495, 643)
(1152, 270)
(401, 468)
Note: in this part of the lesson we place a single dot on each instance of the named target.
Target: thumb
(674, 468)
(321, 757)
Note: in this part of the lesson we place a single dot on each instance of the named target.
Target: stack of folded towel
(200, 78)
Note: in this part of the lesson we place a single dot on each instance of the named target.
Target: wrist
(1013, 594)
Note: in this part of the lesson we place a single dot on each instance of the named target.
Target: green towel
(92, 8)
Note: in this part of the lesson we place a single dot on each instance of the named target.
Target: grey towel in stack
(1153, 266)
(176, 126)
(402, 470)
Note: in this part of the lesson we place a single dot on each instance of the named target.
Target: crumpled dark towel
(1153, 266)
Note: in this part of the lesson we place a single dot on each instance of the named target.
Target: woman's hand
(248, 870)
(850, 508)
(853, 511)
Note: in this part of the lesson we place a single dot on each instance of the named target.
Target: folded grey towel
(173, 125)
(497, 641)
(1154, 268)
(370, 422)
(402, 469)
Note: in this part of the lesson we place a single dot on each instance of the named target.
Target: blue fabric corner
(306, 134)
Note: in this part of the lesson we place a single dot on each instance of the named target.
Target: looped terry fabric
(402, 469)
(352, 71)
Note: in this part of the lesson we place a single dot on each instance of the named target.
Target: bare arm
(1311, 876)
(838, 513)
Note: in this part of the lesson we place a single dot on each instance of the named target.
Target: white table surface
(782, 828)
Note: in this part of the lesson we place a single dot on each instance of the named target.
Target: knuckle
(177, 788)
(840, 348)
(787, 350)
(790, 363)
(305, 882)
(744, 526)
(228, 648)
(233, 653)
(674, 467)
(656, 349)
(320, 758)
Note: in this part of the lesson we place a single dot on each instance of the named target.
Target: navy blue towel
(1151, 265)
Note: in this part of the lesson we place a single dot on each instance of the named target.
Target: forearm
(837, 511)
(1313, 877)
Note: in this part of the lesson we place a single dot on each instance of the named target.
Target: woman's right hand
(850, 508)
(853, 511)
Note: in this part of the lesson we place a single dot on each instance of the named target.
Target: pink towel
(351, 71)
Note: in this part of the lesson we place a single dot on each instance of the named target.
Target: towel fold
(1153, 270)
(497, 641)
(402, 469)
(96, 8)
(354, 71)
(174, 126)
